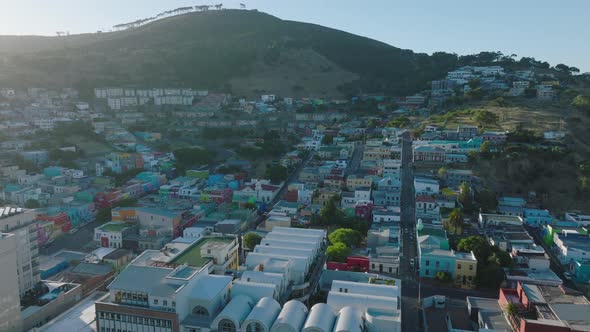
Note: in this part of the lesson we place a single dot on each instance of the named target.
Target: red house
(542, 308)
(364, 210)
(353, 263)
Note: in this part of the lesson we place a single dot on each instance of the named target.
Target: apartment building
(10, 318)
(22, 223)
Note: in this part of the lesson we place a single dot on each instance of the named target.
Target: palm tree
(456, 220)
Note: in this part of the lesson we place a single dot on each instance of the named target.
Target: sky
(549, 30)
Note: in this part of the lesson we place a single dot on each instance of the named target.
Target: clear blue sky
(554, 31)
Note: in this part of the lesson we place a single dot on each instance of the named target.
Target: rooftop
(80, 318)
(435, 231)
(114, 227)
(192, 256)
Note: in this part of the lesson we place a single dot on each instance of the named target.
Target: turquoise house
(580, 270)
(537, 217)
(435, 256)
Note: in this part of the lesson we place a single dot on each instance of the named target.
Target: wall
(63, 302)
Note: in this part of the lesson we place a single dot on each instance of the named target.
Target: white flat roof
(81, 317)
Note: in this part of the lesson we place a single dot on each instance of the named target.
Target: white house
(426, 186)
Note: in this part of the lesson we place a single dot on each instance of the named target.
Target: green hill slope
(243, 51)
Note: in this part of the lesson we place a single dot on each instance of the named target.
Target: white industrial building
(378, 306)
(291, 318)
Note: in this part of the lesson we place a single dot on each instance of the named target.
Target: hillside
(246, 52)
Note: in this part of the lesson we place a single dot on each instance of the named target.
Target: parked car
(73, 231)
(567, 276)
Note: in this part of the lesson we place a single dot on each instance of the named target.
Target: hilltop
(245, 52)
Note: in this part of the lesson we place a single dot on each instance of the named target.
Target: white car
(72, 231)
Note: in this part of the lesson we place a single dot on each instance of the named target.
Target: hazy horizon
(543, 29)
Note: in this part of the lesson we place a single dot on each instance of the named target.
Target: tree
(563, 68)
(276, 173)
(327, 139)
(487, 200)
(443, 276)
(442, 173)
(251, 240)
(338, 252)
(485, 118)
(582, 103)
(465, 194)
(103, 215)
(400, 122)
(485, 148)
(330, 214)
(479, 245)
(500, 258)
(190, 157)
(472, 156)
(250, 206)
(349, 237)
(32, 204)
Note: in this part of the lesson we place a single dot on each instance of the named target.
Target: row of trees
(177, 11)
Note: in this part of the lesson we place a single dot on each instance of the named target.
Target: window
(200, 311)
(156, 301)
(173, 304)
(427, 263)
(470, 267)
(458, 266)
(165, 303)
(427, 272)
(254, 327)
(226, 325)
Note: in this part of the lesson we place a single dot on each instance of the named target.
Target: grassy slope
(554, 177)
(210, 49)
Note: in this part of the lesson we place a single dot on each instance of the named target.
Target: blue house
(537, 217)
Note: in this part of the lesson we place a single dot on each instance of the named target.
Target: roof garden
(432, 231)
(114, 227)
(192, 256)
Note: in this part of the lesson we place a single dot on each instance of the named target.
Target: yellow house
(465, 270)
(354, 182)
(324, 195)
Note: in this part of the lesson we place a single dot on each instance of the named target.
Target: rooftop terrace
(192, 256)
(114, 227)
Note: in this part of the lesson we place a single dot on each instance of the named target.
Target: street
(410, 292)
(75, 242)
